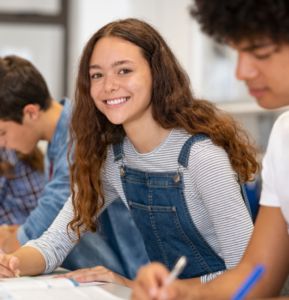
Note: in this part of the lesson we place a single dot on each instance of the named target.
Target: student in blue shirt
(29, 114)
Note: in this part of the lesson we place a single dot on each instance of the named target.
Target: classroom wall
(170, 17)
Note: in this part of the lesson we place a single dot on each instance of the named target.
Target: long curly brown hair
(173, 106)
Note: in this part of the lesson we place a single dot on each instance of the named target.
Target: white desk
(115, 289)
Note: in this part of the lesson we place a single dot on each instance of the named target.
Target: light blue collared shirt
(57, 190)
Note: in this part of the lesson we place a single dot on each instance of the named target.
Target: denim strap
(118, 151)
(185, 152)
(184, 159)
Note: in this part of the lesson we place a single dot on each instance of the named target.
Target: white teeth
(116, 101)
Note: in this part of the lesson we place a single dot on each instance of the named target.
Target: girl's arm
(25, 261)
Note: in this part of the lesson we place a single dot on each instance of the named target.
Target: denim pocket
(164, 236)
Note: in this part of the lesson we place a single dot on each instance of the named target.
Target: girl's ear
(31, 113)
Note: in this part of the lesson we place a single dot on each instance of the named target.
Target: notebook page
(79, 293)
(28, 283)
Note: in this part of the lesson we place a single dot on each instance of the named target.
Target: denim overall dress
(158, 207)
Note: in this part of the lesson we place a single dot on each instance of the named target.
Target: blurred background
(52, 33)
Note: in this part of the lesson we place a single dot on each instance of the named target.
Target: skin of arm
(21, 262)
(8, 239)
(269, 245)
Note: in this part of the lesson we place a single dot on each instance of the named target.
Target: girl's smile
(116, 103)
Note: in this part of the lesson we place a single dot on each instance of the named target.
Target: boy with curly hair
(259, 32)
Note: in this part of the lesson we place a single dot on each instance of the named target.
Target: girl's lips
(257, 92)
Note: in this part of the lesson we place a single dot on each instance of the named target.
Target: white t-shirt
(275, 174)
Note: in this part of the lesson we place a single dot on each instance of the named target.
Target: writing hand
(149, 285)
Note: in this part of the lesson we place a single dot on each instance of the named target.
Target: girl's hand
(9, 266)
(149, 285)
(97, 274)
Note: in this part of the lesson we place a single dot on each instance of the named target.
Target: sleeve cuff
(21, 236)
(207, 278)
(269, 199)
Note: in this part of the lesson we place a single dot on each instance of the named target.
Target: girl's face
(120, 81)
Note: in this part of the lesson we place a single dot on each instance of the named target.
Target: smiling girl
(141, 136)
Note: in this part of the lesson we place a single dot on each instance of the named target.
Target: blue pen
(249, 283)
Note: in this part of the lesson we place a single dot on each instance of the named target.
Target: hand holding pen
(177, 270)
(156, 282)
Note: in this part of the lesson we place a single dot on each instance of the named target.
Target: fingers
(138, 293)
(98, 273)
(149, 280)
(8, 266)
(13, 262)
(171, 292)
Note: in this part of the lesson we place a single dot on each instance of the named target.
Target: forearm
(192, 281)
(268, 246)
(31, 260)
(9, 242)
(223, 286)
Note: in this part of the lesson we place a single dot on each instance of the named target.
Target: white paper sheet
(28, 283)
(79, 293)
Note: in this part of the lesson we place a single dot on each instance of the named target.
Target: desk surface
(115, 289)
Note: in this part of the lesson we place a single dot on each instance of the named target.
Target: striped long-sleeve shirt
(211, 190)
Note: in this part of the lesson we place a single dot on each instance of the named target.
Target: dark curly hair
(236, 20)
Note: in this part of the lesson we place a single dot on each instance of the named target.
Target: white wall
(170, 17)
(40, 44)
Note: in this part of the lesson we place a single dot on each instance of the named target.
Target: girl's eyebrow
(115, 64)
(94, 67)
(121, 62)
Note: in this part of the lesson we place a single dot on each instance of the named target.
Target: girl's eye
(124, 71)
(96, 75)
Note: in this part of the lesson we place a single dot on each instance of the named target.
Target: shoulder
(275, 170)
(281, 128)
(65, 116)
(206, 160)
(202, 151)
(207, 150)
(278, 145)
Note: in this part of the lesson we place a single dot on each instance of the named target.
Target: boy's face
(18, 137)
(264, 66)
